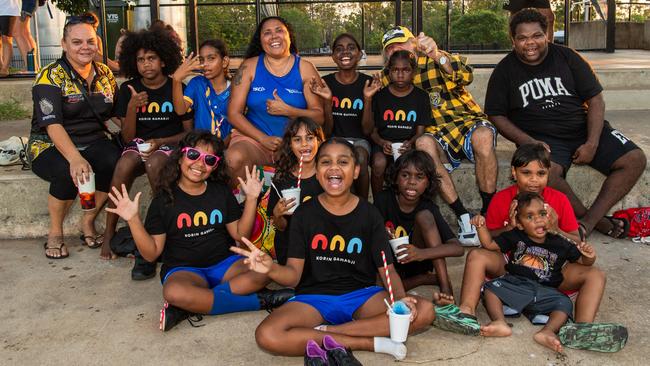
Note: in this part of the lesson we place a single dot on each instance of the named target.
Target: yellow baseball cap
(396, 35)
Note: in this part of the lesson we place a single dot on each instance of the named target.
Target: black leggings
(51, 166)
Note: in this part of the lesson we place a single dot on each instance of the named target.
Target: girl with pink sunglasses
(192, 221)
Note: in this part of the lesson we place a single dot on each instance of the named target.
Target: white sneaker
(10, 150)
(467, 232)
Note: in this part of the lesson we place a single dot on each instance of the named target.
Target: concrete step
(625, 89)
(24, 209)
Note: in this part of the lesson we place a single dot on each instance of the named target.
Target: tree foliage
(72, 6)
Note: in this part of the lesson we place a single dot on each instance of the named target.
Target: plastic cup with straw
(294, 192)
(399, 316)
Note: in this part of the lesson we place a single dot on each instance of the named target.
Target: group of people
(334, 138)
(15, 16)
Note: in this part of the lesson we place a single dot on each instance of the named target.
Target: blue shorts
(467, 151)
(338, 309)
(213, 275)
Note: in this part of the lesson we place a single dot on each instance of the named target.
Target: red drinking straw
(390, 287)
(300, 170)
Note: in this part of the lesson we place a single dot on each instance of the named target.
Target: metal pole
(398, 12)
(448, 26)
(414, 17)
(193, 38)
(102, 24)
(419, 16)
(610, 42)
(258, 11)
(567, 21)
(154, 8)
(363, 28)
(37, 49)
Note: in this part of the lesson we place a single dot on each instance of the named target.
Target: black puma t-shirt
(157, 119)
(546, 99)
(342, 253)
(538, 262)
(195, 226)
(347, 106)
(396, 118)
(309, 188)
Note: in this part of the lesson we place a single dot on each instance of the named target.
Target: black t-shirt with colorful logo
(397, 117)
(547, 99)
(516, 5)
(341, 253)
(309, 189)
(195, 226)
(539, 262)
(347, 106)
(157, 119)
(402, 223)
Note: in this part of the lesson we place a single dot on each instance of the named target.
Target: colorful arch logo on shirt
(347, 103)
(337, 243)
(199, 219)
(399, 231)
(400, 115)
(154, 107)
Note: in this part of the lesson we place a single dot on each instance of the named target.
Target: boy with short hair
(534, 270)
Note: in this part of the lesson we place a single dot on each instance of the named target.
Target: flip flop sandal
(93, 244)
(582, 231)
(599, 337)
(450, 318)
(613, 220)
(60, 249)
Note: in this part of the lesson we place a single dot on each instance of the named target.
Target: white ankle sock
(386, 345)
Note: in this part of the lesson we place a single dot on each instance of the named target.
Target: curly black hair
(338, 141)
(155, 39)
(255, 45)
(525, 198)
(288, 159)
(529, 15)
(171, 173)
(422, 162)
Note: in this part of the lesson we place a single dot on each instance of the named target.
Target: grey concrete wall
(646, 32)
(592, 35)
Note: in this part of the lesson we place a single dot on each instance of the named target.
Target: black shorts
(612, 145)
(528, 296)
(5, 25)
(409, 270)
(516, 5)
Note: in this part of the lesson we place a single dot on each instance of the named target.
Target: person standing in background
(23, 33)
(9, 13)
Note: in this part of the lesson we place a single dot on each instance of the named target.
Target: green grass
(11, 110)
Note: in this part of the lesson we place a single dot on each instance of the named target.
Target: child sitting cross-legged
(534, 271)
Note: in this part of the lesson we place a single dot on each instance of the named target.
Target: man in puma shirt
(542, 92)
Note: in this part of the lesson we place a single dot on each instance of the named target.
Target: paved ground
(84, 311)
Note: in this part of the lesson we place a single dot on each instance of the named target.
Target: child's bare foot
(496, 328)
(440, 299)
(548, 339)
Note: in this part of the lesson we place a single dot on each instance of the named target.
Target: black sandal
(60, 249)
(94, 242)
(615, 226)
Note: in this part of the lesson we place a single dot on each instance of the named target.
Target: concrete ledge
(614, 81)
(24, 212)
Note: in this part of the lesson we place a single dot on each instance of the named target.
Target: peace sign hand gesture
(257, 260)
